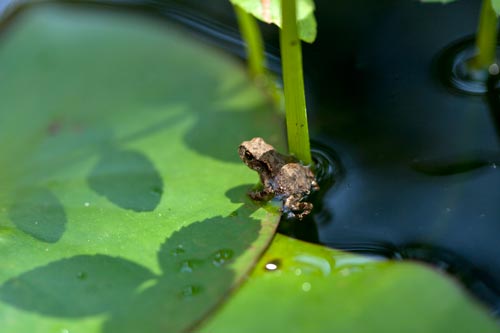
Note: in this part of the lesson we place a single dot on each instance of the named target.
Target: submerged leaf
(269, 11)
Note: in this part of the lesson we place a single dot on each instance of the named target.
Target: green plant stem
(293, 81)
(486, 41)
(250, 34)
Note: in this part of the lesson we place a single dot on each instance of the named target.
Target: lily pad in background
(122, 206)
(300, 287)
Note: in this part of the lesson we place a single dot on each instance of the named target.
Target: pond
(420, 158)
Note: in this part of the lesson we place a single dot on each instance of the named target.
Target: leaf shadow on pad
(196, 277)
(39, 213)
(75, 287)
(221, 139)
(239, 193)
(128, 179)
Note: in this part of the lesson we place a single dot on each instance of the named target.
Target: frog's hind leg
(295, 208)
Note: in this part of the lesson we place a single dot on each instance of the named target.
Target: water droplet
(493, 69)
(298, 271)
(190, 291)
(222, 256)
(36, 222)
(273, 265)
(64, 330)
(81, 275)
(86, 204)
(448, 209)
(306, 286)
(187, 266)
(46, 249)
(177, 251)
(493, 165)
(159, 214)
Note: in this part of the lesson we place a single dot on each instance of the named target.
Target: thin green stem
(250, 34)
(293, 81)
(486, 41)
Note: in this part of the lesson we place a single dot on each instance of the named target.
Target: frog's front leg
(262, 195)
(296, 208)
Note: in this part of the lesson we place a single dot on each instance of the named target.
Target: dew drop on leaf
(222, 256)
(273, 265)
(306, 286)
(190, 291)
(177, 251)
(187, 266)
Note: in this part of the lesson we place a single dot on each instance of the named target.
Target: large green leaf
(299, 287)
(269, 11)
(123, 203)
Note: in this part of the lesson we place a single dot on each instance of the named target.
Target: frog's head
(255, 154)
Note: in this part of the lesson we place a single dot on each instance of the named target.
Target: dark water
(415, 160)
(421, 179)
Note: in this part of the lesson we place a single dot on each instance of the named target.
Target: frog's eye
(248, 156)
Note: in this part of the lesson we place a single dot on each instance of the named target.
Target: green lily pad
(299, 287)
(269, 11)
(123, 203)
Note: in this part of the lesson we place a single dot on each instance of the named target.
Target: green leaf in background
(496, 6)
(269, 11)
(300, 287)
(123, 203)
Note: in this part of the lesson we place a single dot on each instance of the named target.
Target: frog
(283, 177)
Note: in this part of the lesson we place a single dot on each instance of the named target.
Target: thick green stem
(486, 41)
(293, 81)
(250, 34)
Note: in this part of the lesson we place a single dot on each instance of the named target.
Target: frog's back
(293, 178)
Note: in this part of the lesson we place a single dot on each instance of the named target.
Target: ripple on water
(454, 68)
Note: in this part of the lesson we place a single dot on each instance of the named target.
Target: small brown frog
(282, 177)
